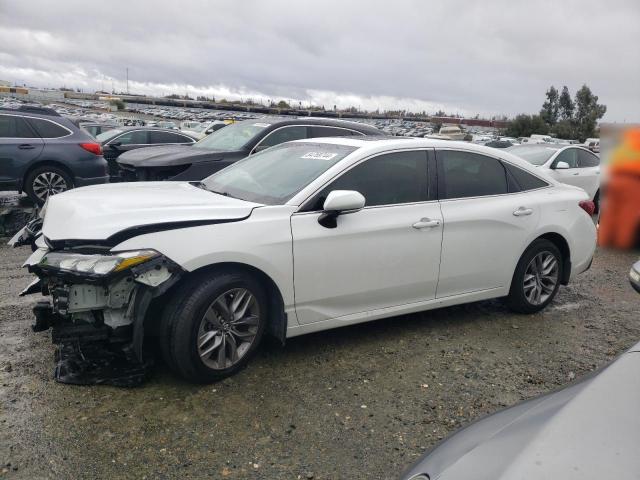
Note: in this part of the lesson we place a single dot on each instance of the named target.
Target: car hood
(169, 155)
(588, 430)
(101, 212)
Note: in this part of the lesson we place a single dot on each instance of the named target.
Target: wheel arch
(561, 243)
(277, 318)
(42, 163)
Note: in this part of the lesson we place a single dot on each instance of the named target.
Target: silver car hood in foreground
(589, 430)
(100, 211)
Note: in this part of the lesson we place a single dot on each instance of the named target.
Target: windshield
(231, 137)
(104, 136)
(275, 175)
(535, 155)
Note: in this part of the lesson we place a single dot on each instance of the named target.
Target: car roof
(327, 122)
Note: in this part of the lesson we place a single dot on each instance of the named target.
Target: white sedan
(302, 237)
(573, 165)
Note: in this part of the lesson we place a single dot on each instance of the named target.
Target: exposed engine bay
(99, 301)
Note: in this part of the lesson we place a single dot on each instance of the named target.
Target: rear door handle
(26, 146)
(426, 223)
(577, 173)
(522, 211)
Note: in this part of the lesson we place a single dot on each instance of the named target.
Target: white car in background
(302, 237)
(573, 165)
(203, 129)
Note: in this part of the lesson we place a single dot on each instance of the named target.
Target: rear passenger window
(15, 127)
(465, 174)
(524, 180)
(47, 129)
(388, 179)
(587, 159)
(134, 137)
(167, 137)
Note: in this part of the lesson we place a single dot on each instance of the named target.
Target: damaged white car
(302, 237)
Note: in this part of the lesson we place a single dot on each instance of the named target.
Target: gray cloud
(473, 57)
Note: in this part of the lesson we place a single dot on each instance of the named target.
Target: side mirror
(340, 202)
(562, 166)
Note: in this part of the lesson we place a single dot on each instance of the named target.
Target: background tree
(588, 112)
(283, 104)
(566, 104)
(550, 107)
(526, 125)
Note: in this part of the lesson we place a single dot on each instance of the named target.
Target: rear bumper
(84, 181)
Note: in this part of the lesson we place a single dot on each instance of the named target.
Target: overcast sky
(488, 57)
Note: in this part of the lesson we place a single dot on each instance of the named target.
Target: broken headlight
(95, 264)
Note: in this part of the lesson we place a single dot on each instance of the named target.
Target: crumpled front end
(98, 303)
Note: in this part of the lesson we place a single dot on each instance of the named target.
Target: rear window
(47, 129)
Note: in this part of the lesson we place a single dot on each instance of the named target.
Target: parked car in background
(422, 223)
(573, 165)
(634, 276)
(169, 125)
(593, 144)
(226, 146)
(42, 153)
(93, 127)
(590, 429)
(206, 128)
(117, 141)
(499, 144)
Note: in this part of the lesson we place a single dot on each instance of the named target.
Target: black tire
(596, 201)
(517, 299)
(181, 323)
(38, 173)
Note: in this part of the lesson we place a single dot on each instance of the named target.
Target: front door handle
(522, 211)
(577, 173)
(26, 146)
(426, 223)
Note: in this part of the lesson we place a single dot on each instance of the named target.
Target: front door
(386, 255)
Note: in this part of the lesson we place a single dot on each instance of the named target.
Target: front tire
(536, 279)
(213, 325)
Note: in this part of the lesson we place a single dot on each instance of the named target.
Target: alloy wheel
(48, 183)
(228, 328)
(541, 278)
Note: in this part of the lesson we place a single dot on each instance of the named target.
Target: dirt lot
(360, 402)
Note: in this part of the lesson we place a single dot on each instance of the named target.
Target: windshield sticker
(319, 155)
(261, 125)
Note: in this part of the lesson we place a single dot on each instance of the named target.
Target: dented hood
(102, 211)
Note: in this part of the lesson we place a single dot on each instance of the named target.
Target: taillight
(588, 206)
(94, 148)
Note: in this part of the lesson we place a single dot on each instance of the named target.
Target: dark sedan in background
(117, 141)
(228, 145)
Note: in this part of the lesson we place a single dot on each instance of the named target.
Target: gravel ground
(359, 402)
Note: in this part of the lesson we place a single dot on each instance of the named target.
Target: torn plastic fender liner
(142, 301)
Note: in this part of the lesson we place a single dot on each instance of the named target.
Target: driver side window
(569, 156)
(135, 137)
(281, 135)
(388, 179)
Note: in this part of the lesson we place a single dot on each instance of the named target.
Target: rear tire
(44, 181)
(536, 279)
(213, 325)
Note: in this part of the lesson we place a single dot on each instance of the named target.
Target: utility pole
(127, 80)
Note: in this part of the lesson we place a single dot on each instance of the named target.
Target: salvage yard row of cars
(283, 227)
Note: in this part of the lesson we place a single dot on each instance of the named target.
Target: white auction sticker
(319, 155)
(262, 125)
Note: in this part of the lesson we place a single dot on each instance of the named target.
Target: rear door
(385, 255)
(19, 146)
(487, 221)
